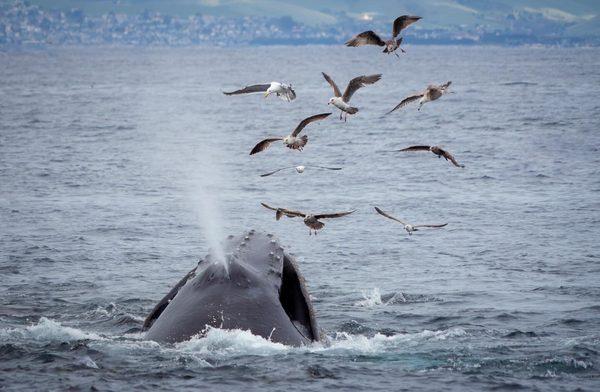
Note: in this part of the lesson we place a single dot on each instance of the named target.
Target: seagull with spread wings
(431, 93)
(282, 90)
(391, 45)
(437, 151)
(291, 141)
(341, 101)
(300, 169)
(310, 220)
(407, 226)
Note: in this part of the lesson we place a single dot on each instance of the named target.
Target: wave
(47, 330)
(228, 343)
(216, 344)
(374, 298)
(519, 83)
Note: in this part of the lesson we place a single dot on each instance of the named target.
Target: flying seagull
(431, 93)
(437, 151)
(300, 169)
(370, 38)
(407, 226)
(292, 140)
(341, 101)
(283, 91)
(310, 220)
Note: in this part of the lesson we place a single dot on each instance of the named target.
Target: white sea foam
(370, 299)
(220, 344)
(51, 330)
(47, 330)
(379, 343)
(88, 362)
(101, 311)
(223, 342)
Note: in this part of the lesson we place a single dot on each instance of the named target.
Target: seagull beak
(267, 94)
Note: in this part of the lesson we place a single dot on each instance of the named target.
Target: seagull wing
(279, 212)
(336, 90)
(307, 121)
(366, 38)
(432, 226)
(406, 101)
(450, 158)
(333, 215)
(292, 214)
(416, 148)
(290, 93)
(403, 22)
(255, 88)
(445, 85)
(381, 212)
(275, 171)
(357, 83)
(263, 145)
(268, 206)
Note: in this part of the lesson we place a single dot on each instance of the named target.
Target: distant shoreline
(34, 47)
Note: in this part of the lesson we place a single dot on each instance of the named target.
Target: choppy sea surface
(119, 167)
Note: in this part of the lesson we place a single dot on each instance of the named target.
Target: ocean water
(120, 167)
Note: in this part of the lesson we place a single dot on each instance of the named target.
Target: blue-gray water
(118, 167)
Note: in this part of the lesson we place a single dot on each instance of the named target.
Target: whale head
(258, 287)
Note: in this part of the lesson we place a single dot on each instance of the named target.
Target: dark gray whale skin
(263, 292)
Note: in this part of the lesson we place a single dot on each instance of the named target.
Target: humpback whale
(258, 288)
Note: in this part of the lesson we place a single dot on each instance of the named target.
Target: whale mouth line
(294, 300)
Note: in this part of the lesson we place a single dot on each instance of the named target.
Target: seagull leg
(398, 56)
(341, 114)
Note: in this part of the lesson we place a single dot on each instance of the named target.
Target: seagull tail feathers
(352, 110)
(304, 140)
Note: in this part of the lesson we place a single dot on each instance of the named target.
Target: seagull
(431, 93)
(283, 91)
(300, 169)
(407, 226)
(437, 151)
(292, 140)
(391, 45)
(341, 101)
(310, 220)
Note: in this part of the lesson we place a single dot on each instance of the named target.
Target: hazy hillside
(183, 22)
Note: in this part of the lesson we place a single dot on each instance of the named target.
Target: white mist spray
(206, 184)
